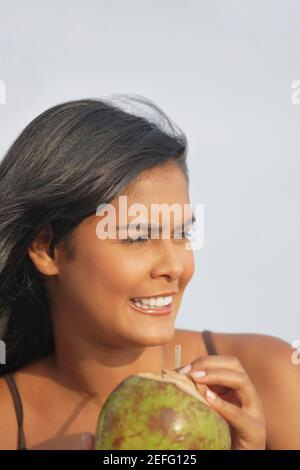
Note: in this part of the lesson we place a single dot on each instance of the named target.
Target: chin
(157, 338)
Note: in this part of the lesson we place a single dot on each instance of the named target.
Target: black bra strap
(19, 410)
(209, 343)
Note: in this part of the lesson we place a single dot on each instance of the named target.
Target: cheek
(102, 275)
(188, 263)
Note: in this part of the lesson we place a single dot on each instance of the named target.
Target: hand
(240, 405)
(83, 441)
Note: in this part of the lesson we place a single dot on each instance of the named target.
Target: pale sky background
(223, 71)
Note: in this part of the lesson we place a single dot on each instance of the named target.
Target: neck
(97, 368)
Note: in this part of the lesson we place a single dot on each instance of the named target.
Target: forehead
(161, 184)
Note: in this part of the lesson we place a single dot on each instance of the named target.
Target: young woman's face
(93, 291)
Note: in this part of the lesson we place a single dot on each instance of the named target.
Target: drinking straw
(177, 356)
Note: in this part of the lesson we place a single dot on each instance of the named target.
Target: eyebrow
(191, 220)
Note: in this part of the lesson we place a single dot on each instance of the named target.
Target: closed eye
(187, 234)
(131, 241)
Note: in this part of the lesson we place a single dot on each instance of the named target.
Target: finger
(235, 416)
(214, 361)
(235, 380)
(80, 441)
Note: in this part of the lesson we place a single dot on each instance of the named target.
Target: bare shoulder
(248, 346)
(273, 366)
(8, 419)
(265, 358)
(27, 380)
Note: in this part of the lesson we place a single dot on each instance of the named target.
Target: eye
(184, 234)
(132, 241)
(187, 234)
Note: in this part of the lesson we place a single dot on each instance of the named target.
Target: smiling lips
(153, 306)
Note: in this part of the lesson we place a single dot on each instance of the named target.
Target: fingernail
(199, 374)
(210, 395)
(186, 369)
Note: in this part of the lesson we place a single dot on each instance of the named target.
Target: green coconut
(167, 411)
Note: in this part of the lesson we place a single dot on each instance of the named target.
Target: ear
(40, 253)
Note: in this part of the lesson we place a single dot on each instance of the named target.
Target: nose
(169, 263)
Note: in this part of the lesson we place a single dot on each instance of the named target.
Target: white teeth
(138, 304)
(153, 302)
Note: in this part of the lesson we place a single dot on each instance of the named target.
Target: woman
(68, 300)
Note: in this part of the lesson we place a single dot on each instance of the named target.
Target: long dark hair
(68, 160)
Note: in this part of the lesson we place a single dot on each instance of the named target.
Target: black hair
(68, 160)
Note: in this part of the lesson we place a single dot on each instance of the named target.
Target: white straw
(177, 356)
